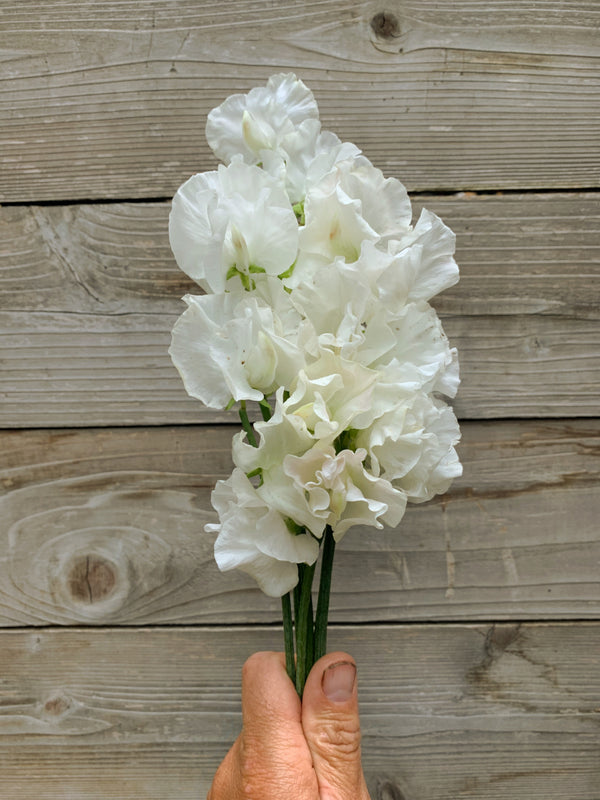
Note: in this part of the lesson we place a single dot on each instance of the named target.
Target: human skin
(307, 750)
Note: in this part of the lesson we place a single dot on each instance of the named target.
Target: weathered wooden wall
(476, 624)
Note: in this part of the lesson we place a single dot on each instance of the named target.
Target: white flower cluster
(316, 296)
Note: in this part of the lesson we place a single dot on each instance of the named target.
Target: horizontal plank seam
(235, 427)
(216, 626)
(413, 193)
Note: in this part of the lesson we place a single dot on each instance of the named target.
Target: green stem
(288, 636)
(265, 409)
(324, 592)
(246, 424)
(303, 661)
(310, 638)
(297, 592)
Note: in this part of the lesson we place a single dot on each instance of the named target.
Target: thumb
(270, 705)
(332, 728)
(270, 758)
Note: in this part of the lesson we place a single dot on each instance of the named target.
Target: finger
(269, 699)
(274, 759)
(270, 759)
(332, 727)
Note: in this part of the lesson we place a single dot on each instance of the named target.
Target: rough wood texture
(102, 524)
(106, 527)
(110, 99)
(90, 293)
(449, 711)
(518, 254)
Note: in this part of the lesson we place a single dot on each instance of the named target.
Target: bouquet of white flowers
(315, 307)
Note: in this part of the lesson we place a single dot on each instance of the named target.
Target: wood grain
(484, 711)
(106, 527)
(90, 294)
(518, 254)
(87, 369)
(109, 100)
(475, 624)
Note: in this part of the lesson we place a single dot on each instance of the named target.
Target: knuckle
(339, 738)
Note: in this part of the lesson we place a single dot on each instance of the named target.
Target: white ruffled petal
(203, 351)
(247, 124)
(254, 538)
(412, 446)
(421, 356)
(352, 204)
(427, 258)
(338, 491)
(231, 346)
(232, 222)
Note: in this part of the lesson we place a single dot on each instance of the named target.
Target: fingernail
(338, 681)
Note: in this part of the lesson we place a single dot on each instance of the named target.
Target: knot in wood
(386, 790)
(56, 706)
(91, 579)
(385, 25)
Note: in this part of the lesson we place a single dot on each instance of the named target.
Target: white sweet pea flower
(326, 397)
(413, 446)
(423, 262)
(278, 127)
(354, 326)
(406, 344)
(302, 161)
(329, 394)
(232, 225)
(421, 357)
(233, 345)
(339, 492)
(282, 434)
(254, 538)
(305, 480)
(248, 124)
(415, 267)
(352, 204)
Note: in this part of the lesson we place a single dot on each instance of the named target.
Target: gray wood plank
(111, 100)
(106, 527)
(93, 370)
(89, 295)
(518, 254)
(482, 712)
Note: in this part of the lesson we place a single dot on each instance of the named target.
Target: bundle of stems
(309, 643)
